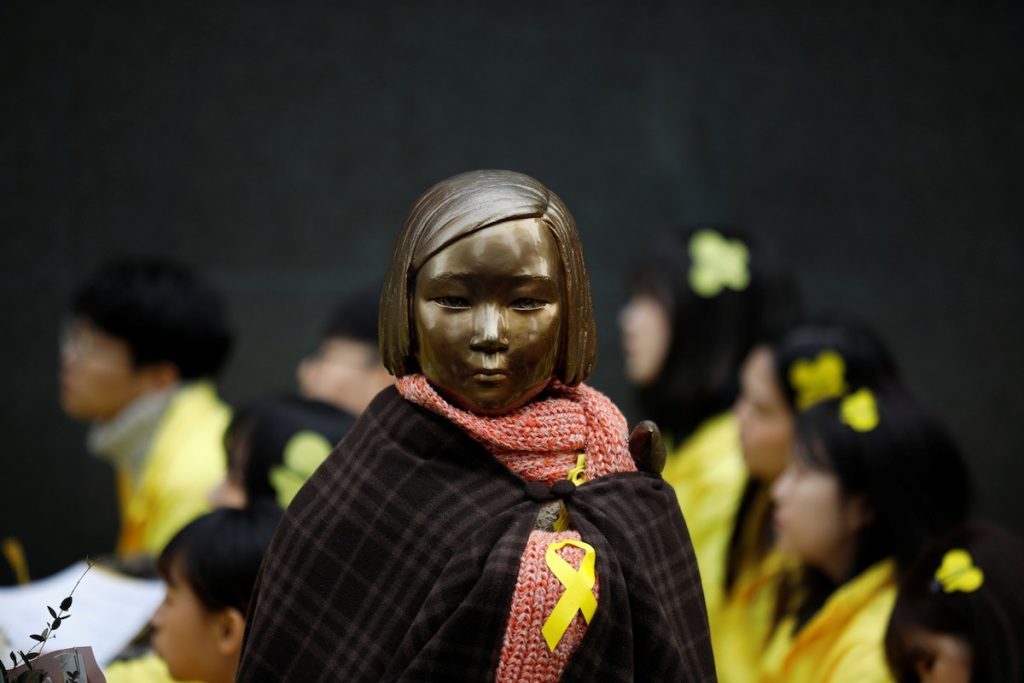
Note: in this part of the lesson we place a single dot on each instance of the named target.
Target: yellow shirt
(148, 668)
(708, 474)
(843, 642)
(185, 461)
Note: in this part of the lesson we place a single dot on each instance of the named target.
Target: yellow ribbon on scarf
(578, 593)
(578, 476)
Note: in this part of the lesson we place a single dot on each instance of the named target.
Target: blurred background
(277, 148)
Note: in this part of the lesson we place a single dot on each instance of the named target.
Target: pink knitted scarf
(540, 442)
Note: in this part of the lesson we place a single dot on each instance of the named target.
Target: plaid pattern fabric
(397, 561)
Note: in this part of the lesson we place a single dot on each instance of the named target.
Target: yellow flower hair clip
(717, 263)
(818, 380)
(860, 411)
(303, 453)
(958, 573)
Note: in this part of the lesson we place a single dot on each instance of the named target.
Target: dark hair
(868, 363)
(260, 432)
(356, 316)
(990, 619)
(459, 206)
(162, 311)
(908, 469)
(219, 554)
(711, 335)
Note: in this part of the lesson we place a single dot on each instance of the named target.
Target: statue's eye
(528, 304)
(457, 302)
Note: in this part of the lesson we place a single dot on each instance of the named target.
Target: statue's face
(488, 313)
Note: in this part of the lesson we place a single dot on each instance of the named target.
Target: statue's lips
(490, 376)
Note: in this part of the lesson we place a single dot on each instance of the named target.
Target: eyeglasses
(84, 342)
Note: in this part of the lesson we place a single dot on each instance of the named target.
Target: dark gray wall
(278, 147)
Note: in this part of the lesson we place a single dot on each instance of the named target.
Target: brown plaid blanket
(397, 562)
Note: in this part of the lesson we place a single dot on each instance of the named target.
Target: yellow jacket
(708, 474)
(742, 626)
(185, 461)
(842, 643)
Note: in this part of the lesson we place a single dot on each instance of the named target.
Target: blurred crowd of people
(829, 509)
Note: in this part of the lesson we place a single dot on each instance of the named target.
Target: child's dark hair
(990, 619)
(356, 316)
(162, 311)
(219, 554)
(867, 363)
(908, 469)
(867, 359)
(259, 433)
(711, 335)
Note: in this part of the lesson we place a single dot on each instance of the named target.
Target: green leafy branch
(58, 617)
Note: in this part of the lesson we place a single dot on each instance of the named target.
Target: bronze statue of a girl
(485, 519)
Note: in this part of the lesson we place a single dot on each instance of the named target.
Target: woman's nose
(489, 330)
(781, 485)
(157, 620)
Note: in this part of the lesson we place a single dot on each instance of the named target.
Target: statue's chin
(491, 406)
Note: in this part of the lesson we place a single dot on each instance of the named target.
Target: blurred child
(144, 341)
(346, 370)
(210, 570)
(274, 445)
(700, 300)
(813, 362)
(959, 614)
(873, 479)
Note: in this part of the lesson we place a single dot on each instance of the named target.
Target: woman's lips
(778, 521)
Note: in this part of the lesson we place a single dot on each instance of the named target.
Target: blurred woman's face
(646, 335)
(766, 422)
(230, 493)
(813, 519)
(940, 657)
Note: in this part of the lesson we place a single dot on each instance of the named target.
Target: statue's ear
(647, 447)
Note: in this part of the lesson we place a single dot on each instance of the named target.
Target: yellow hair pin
(303, 453)
(717, 263)
(860, 411)
(958, 573)
(818, 380)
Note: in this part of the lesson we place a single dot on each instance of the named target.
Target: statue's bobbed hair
(460, 206)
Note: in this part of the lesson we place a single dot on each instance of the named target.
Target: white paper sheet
(109, 610)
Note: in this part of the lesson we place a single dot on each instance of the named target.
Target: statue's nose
(489, 330)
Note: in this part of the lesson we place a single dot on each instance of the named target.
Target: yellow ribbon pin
(717, 263)
(578, 593)
(577, 475)
(818, 380)
(860, 411)
(958, 573)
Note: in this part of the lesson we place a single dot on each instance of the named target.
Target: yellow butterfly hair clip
(303, 453)
(817, 380)
(717, 263)
(958, 573)
(860, 411)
